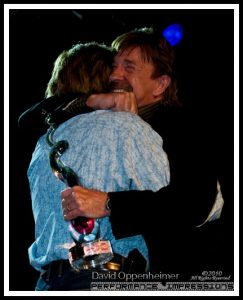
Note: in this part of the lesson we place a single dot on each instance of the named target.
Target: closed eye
(114, 66)
(129, 67)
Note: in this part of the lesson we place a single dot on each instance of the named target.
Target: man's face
(131, 72)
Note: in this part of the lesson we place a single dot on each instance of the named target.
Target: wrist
(108, 204)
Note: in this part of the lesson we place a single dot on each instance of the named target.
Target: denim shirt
(109, 151)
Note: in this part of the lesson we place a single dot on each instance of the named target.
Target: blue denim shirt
(109, 151)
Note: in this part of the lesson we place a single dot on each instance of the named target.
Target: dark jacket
(168, 218)
(32, 122)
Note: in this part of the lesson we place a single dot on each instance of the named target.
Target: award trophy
(90, 250)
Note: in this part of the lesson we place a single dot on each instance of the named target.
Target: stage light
(173, 34)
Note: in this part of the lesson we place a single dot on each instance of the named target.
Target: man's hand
(119, 101)
(78, 201)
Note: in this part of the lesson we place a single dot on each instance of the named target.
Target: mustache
(120, 85)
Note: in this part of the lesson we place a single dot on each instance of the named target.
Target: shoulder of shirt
(105, 123)
(105, 118)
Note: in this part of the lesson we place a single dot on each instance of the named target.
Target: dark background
(205, 78)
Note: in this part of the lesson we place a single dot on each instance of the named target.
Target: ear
(162, 83)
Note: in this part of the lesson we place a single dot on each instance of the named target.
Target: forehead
(131, 54)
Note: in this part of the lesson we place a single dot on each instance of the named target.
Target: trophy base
(90, 255)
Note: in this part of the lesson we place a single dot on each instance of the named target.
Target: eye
(129, 68)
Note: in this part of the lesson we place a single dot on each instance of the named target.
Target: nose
(117, 74)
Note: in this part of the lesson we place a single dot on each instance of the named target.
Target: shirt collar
(146, 111)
